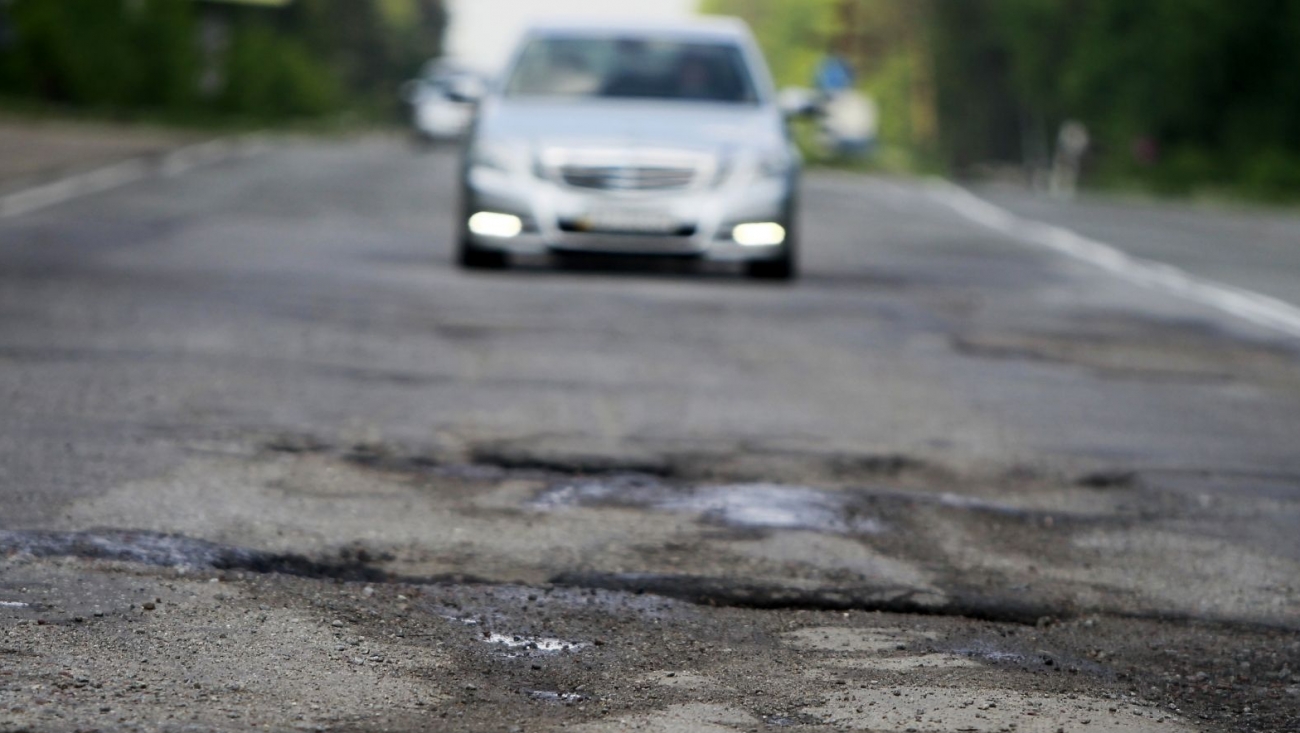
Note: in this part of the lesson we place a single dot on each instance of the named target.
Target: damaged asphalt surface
(268, 460)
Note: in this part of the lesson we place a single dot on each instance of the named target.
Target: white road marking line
(125, 172)
(66, 189)
(1257, 308)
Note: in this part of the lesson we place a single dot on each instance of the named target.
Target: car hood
(632, 124)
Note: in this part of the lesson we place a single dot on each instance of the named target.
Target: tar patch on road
(176, 551)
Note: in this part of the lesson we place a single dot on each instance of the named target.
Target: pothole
(731, 592)
(534, 643)
(744, 506)
(559, 698)
(494, 460)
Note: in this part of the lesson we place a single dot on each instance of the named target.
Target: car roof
(712, 27)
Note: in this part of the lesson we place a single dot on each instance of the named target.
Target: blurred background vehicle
(661, 139)
(847, 118)
(848, 124)
(442, 100)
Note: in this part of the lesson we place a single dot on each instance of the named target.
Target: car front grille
(628, 177)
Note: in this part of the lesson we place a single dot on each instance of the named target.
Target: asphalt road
(1253, 248)
(970, 457)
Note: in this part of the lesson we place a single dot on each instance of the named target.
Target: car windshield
(634, 68)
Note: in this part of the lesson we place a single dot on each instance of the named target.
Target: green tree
(795, 36)
(271, 77)
(310, 58)
(884, 40)
(101, 53)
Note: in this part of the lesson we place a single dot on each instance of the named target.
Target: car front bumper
(696, 222)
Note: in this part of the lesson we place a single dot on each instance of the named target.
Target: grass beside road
(18, 110)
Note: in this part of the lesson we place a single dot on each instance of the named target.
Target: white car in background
(649, 140)
(442, 101)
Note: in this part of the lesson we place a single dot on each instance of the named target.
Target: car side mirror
(798, 102)
(466, 90)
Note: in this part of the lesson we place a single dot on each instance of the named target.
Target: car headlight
(774, 164)
(757, 165)
(759, 234)
(491, 224)
(753, 166)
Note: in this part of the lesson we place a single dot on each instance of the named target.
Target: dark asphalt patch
(297, 444)
(490, 462)
(725, 592)
(177, 551)
(494, 459)
(891, 465)
(518, 459)
(703, 465)
(1108, 480)
(1010, 650)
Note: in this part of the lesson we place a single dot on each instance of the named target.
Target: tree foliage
(99, 52)
(1178, 94)
(794, 35)
(884, 42)
(310, 58)
(1210, 89)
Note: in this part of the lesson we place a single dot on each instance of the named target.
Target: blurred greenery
(881, 40)
(208, 62)
(1189, 97)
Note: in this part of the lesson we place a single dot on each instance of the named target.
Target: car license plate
(629, 221)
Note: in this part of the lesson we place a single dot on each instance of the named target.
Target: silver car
(440, 100)
(661, 140)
